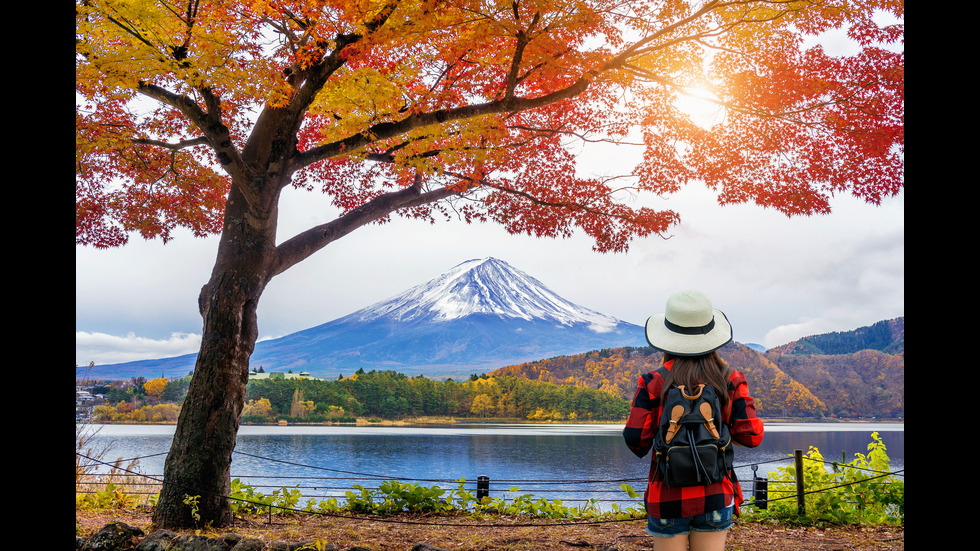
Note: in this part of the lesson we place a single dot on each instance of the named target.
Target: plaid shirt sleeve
(641, 424)
(746, 428)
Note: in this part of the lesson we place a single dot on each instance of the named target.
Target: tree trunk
(199, 462)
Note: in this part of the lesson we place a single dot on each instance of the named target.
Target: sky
(776, 278)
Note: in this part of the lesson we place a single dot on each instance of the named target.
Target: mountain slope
(789, 380)
(478, 316)
(859, 373)
(886, 336)
(617, 370)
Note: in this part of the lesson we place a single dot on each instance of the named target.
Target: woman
(689, 334)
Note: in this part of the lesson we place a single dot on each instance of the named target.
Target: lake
(571, 462)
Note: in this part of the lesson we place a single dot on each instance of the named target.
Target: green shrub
(393, 496)
(110, 497)
(857, 492)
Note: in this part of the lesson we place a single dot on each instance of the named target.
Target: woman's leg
(708, 541)
(676, 543)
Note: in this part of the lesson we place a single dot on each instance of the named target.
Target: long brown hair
(690, 371)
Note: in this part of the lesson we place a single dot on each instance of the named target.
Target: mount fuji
(480, 315)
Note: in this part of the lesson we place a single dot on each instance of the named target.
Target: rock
(230, 538)
(426, 547)
(158, 540)
(249, 544)
(115, 536)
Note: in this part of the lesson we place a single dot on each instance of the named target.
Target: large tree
(198, 114)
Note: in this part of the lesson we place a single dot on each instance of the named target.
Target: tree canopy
(477, 101)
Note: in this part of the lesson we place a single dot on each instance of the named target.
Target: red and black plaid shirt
(666, 502)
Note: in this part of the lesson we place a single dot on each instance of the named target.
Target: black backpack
(693, 443)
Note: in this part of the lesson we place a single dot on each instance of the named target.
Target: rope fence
(343, 482)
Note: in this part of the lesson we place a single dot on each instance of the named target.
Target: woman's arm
(641, 424)
(746, 427)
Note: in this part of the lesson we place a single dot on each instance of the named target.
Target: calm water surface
(568, 462)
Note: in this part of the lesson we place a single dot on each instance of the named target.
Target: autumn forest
(859, 373)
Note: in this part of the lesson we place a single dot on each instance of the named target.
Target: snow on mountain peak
(484, 286)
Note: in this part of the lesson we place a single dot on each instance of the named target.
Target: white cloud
(103, 348)
(839, 320)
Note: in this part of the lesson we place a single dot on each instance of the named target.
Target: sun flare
(701, 105)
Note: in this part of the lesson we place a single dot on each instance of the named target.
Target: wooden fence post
(800, 504)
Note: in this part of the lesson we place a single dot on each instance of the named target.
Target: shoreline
(423, 421)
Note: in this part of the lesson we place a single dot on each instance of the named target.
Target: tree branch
(508, 104)
(281, 124)
(386, 130)
(215, 132)
(565, 205)
(305, 244)
(175, 146)
(523, 39)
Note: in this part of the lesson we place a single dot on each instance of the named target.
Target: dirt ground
(510, 534)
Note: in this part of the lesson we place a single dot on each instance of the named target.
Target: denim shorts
(712, 521)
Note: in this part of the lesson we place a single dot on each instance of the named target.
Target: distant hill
(756, 347)
(618, 370)
(885, 336)
(855, 373)
(788, 380)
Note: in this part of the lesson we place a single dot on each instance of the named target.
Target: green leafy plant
(361, 501)
(192, 502)
(286, 500)
(854, 492)
(460, 498)
(328, 505)
(110, 497)
(245, 500)
(401, 496)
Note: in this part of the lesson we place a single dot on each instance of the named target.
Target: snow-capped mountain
(480, 315)
(483, 286)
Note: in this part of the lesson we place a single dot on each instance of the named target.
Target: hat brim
(662, 338)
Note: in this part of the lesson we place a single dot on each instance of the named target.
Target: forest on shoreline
(375, 397)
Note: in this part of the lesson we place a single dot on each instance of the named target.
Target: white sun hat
(689, 327)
